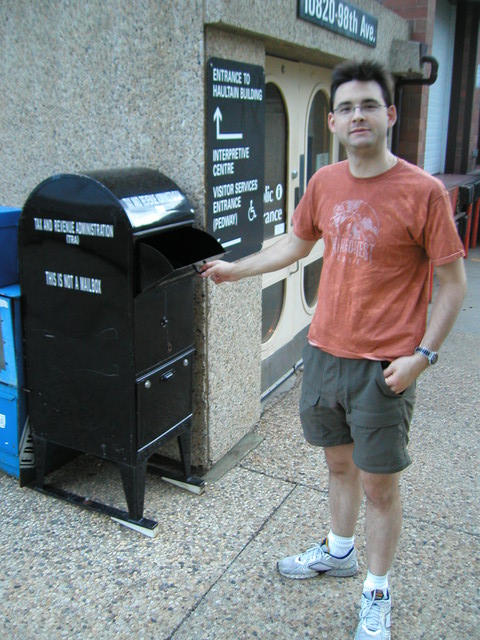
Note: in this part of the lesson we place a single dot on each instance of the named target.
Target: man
(382, 221)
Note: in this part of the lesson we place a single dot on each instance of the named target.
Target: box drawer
(164, 398)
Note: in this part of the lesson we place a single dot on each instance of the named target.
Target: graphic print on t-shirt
(354, 228)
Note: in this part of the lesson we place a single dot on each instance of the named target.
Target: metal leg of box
(184, 478)
(133, 479)
(134, 487)
(185, 445)
(142, 525)
(40, 447)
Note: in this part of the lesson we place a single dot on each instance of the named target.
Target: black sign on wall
(235, 155)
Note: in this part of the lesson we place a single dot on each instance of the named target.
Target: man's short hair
(364, 71)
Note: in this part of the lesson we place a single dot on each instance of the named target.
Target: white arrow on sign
(217, 116)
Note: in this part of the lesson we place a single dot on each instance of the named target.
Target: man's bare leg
(384, 519)
(345, 490)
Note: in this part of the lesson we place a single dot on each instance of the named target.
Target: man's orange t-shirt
(380, 235)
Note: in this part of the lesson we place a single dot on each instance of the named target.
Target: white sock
(338, 546)
(373, 582)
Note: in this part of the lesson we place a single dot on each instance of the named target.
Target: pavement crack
(227, 568)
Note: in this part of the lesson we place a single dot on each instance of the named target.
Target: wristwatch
(431, 356)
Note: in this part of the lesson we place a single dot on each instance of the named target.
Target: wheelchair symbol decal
(252, 214)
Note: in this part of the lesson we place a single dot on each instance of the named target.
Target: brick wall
(463, 130)
(464, 125)
(473, 143)
(421, 16)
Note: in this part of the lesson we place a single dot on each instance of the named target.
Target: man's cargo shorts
(346, 400)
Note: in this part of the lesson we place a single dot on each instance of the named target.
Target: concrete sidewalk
(210, 572)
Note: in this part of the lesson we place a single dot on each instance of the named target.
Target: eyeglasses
(367, 107)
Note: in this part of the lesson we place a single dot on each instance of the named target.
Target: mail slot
(107, 296)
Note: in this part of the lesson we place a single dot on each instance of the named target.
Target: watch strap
(431, 356)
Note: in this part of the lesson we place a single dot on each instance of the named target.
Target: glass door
(297, 143)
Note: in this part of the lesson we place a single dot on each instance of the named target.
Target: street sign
(342, 17)
(235, 155)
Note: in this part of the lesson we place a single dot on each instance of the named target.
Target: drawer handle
(168, 374)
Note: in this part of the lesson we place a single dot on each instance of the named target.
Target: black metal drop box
(107, 296)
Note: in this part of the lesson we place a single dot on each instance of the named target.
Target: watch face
(433, 358)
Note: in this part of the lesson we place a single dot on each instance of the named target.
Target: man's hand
(402, 372)
(219, 271)
(448, 301)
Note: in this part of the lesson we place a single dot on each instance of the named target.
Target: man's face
(360, 117)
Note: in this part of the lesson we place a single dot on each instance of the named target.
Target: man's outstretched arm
(279, 255)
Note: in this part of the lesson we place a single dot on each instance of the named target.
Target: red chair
(474, 236)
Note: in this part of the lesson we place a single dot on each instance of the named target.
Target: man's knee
(339, 460)
(380, 489)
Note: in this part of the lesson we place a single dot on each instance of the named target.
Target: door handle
(294, 268)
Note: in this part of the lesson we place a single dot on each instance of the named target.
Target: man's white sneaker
(318, 561)
(374, 616)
